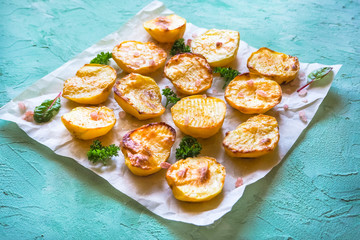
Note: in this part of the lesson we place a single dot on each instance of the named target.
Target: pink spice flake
(219, 44)
(250, 83)
(304, 100)
(286, 107)
(240, 94)
(302, 93)
(198, 83)
(28, 116)
(186, 121)
(239, 182)
(165, 165)
(261, 93)
(204, 96)
(94, 116)
(302, 116)
(182, 173)
(22, 106)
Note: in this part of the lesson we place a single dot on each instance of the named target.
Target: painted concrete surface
(313, 194)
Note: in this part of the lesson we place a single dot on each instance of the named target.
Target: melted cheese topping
(167, 23)
(139, 57)
(190, 73)
(278, 66)
(196, 179)
(140, 92)
(251, 93)
(90, 81)
(255, 137)
(219, 47)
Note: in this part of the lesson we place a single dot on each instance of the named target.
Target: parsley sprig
(227, 73)
(102, 58)
(188, 147)
(170, 96)
(179, 47)
(100, 153)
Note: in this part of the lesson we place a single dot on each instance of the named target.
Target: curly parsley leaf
(102, 58)
(227, 73)
(47, 110)
(170, 96)
(188, 147)
(179, 47)
(100, 153)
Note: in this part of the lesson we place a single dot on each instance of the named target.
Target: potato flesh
(187, 182)
(258, 134)
(141, 93)
(219, 47)
(243, 95)
(190, 73)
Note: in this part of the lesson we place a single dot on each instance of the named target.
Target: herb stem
(305, 86)
(53, 101)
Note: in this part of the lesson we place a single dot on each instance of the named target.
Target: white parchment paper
(153, 191)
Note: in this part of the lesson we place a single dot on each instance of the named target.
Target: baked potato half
(145, 148)
(189, 72)
(251, 93)
(139, 96)
(277, 66)
(199, 116)
(166, 29)
(196, 179)
(139, 57)
(89, 122)
(219, 47)
(91, 85)
(257, 136)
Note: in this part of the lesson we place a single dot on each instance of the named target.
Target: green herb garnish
(227, 73)
(99, 153)
(102, 58)
(47, 110)
(170, 96)
(316, 75)
(179, 47)
(188, 147)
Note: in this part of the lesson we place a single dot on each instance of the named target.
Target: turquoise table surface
(313, 194)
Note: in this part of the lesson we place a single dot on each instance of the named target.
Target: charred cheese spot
(139, 57)
(251, 93)
(257, 136)
(89, 122)
(147, 147)
(196, 179)
(139, 96)
(219, 47)
(190, 73)
(166, 29)
(198, 116)
(91, 85)
(277, 66)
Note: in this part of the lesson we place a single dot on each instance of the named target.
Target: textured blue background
(314, 193)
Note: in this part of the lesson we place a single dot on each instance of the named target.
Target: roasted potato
(257, 136)
(199, 115)
(219, 47)
(91, 85)
(89, 122)
(166, 29)
(279, 67)
(139, 96)
(147, 147)
(190, 73)
(139, 57)
(251, 93)
(196, 179)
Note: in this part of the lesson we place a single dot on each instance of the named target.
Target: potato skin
(92, 84)
(242, 93)
(258, 136)
(199, 116)
(139, 96)
(196, 179)
(80, 123)
(145, 148)
(197, 80)
(139, 57)
(166, 29)
(277, 66)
